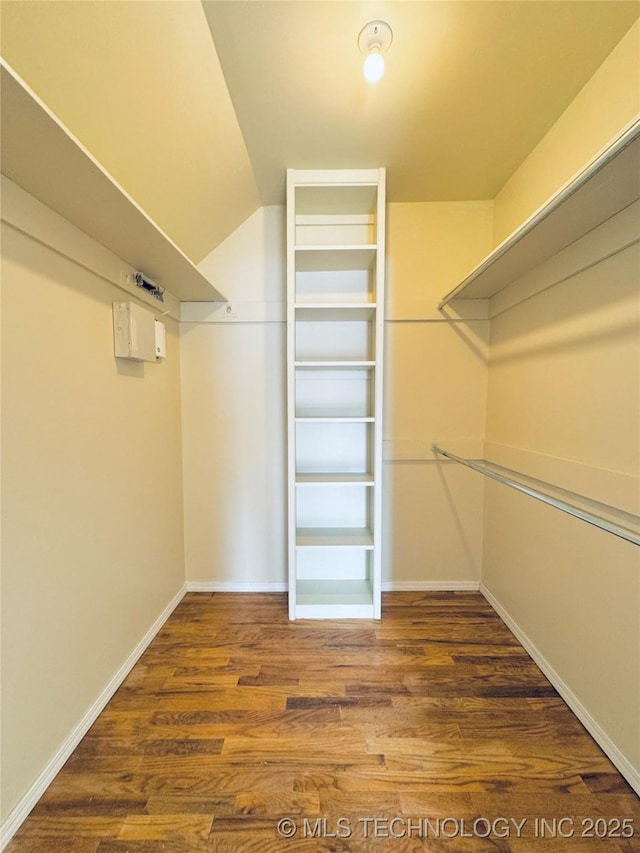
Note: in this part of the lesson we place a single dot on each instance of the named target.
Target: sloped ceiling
(197, 109)
(140, 85)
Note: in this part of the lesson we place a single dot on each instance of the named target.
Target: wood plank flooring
(430, 730)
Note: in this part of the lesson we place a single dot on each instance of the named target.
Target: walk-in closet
(320, 494)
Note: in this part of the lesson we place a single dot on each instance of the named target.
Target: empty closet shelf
(319, 312)
(334, 537)
(606, 185)
(333, 258)
(333, 365)
(333, 592)
(334, 419)
(626, 525)
(334, 480)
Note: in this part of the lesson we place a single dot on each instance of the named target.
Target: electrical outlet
(125, 277)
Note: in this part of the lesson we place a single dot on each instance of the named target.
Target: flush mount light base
(374, 39)
(375, 34)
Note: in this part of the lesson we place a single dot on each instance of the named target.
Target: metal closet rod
(567, 506)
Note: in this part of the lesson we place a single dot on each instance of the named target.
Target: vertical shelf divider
(335, 330)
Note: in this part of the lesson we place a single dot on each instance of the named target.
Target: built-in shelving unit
(335, 287)
(43, 157)
(607, 185)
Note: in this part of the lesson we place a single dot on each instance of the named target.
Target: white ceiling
(197, 109)
(470, 87)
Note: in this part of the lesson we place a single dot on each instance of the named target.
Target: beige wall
(435, 385)
(233, 403)
(564, 406)
(234, 413)
(92, 546)
(234, 428)
(606, 104)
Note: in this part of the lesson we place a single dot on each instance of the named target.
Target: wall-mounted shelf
(44, 158)
(608, 184)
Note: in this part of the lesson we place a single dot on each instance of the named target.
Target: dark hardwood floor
(430, 730)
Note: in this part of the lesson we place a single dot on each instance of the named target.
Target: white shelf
(334, 480)
(334, 365)
(322, 413)
(333, 419)
(44, 158)
(334, 537)
(333, 219)
(334, 258)
(608, 184)
(350, 312)
(340, 197)
(331, 599)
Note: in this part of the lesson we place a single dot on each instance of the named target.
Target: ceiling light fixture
(374, 39)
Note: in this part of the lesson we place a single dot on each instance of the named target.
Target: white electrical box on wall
(134, 332)
(161, 340)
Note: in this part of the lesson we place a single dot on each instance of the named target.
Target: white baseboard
(281, 586)
(16, 817)
(595, 730)
(236, 586)
(430, 586)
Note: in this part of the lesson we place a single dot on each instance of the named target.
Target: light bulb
(373, 67)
